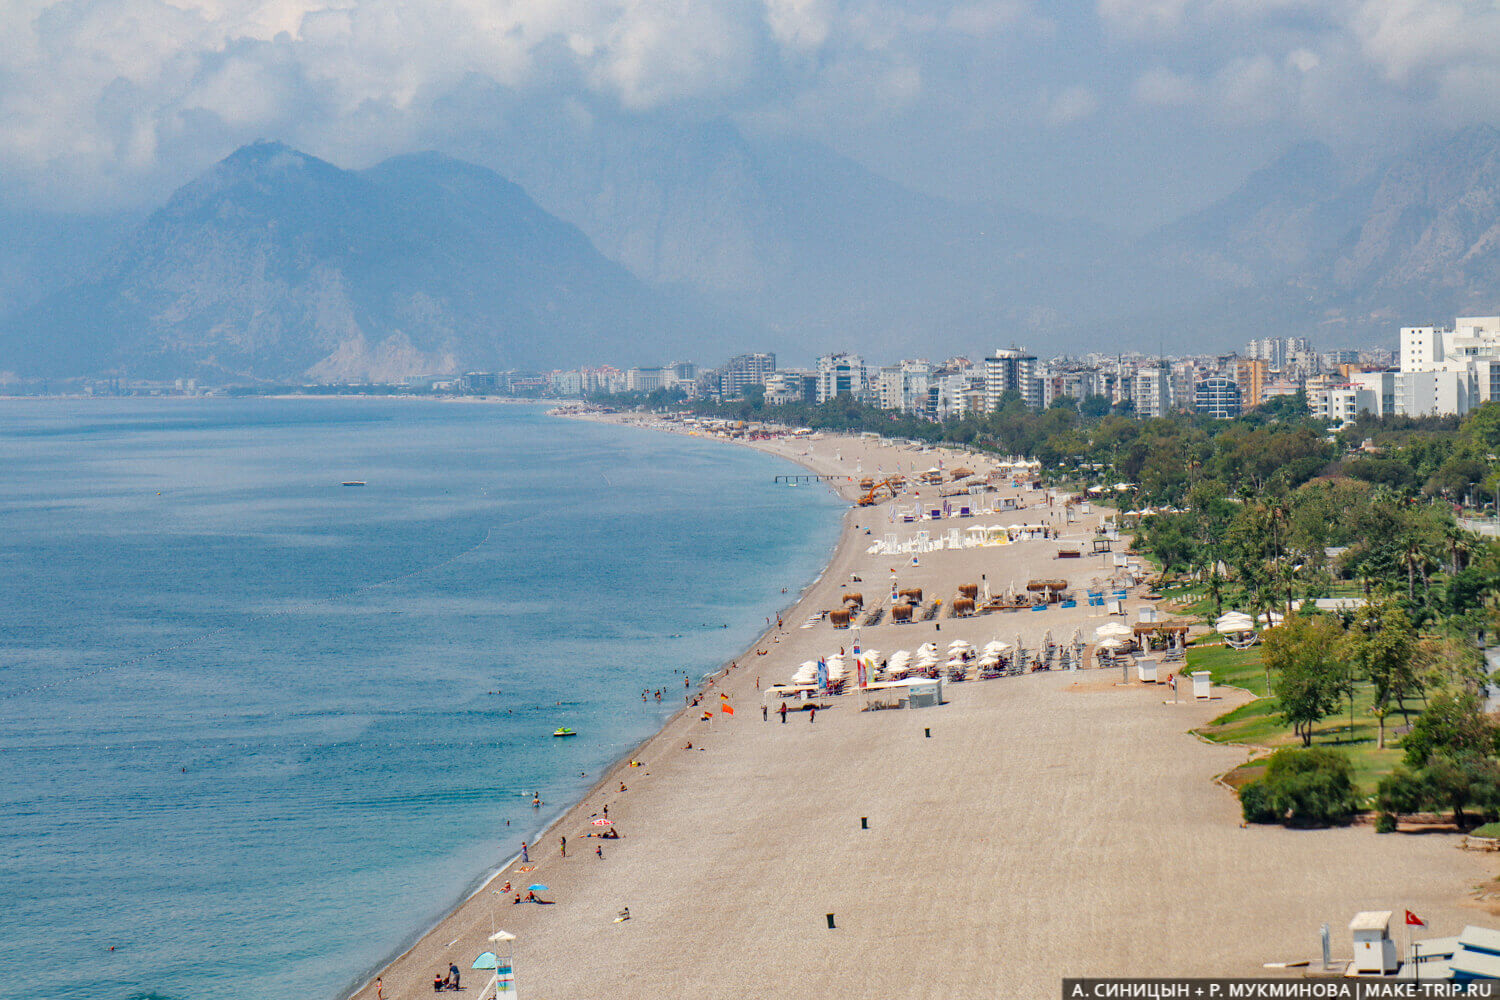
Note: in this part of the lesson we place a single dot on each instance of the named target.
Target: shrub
(1385, 823)
(1302, 787)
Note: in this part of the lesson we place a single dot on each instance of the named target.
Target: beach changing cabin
(1374, 951)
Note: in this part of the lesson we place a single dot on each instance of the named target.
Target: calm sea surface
(258, 729)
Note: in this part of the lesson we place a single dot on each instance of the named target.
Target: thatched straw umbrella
(901, 613)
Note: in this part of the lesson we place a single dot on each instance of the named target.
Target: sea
(259, 729)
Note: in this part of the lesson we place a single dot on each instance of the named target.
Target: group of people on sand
(441, 982)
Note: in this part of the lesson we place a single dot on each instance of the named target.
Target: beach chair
(1068, 604)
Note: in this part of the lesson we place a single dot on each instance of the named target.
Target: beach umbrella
(538, 888)
(1113, 642)
(486, 961)
(602, 821)
(926, 649)
(959, 644)
(1111, 629)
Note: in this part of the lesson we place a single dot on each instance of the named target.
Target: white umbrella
(959, 644)
(899, 658)
(1113, 642)
(927, 649)
(1110, 629)
(996, 646)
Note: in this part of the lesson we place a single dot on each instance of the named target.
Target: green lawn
(1257, 723)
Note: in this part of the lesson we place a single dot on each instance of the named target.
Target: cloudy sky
(1125, 111)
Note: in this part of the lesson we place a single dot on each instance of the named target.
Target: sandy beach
(1034, 827)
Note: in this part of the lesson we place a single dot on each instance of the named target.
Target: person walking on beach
(812, 714)
(379, 989)
(599, 851)
(563, 846)
(765, 712)
(783, 713)
(524, 858)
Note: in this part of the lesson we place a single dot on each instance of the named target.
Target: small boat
(563, 731)
(354, 482)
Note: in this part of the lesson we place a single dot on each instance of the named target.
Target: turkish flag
(1412, 920)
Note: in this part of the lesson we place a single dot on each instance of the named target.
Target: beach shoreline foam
(1060, 823)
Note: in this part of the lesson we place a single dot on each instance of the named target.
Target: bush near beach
(1302, 787)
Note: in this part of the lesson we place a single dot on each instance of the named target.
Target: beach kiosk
(1374, 951)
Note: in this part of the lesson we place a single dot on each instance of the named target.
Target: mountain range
(635, 242)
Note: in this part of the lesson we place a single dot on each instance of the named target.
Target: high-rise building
(1011, 369)
(1218, 397)
(744, 370)
(841, 374)
(1151, 391)
(1250, 376)
(1449, 370)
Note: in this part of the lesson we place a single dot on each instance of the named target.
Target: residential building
(1011, 369)
(841, 374)
(1250, 376)
(644, 379)
(1151, 392)
(1334, 405)
(742, 371)
(1217, 397)
(1376, 392)
(1449, 370)
(787, 386)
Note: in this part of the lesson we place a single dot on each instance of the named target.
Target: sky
(1124, 112)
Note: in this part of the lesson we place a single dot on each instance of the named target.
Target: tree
(1303, 652)
(1454, 725)
(1380, 645)
(1311, 787)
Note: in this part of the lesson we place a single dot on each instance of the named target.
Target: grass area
(1257, 723)
(1488, 830)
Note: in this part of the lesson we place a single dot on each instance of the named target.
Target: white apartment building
(1151, 391)
(1334, 405)
(1011, 369)
(1449, 370)
(842, 374)
(791, 385)
(1377, 392)
(644, 379)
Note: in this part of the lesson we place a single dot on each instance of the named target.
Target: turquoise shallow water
(258, 729)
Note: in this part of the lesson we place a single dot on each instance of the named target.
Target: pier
(810, 477)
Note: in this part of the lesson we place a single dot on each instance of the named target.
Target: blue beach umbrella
(538, 888)
(485, 961)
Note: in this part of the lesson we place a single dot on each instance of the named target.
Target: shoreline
(610, 773)
(1033, 824)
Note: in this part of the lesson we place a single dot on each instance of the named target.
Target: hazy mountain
(818, 249)
(277, 265)
(1345, 254)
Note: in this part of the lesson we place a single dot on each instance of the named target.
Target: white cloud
(97, 88)
(1070, 105)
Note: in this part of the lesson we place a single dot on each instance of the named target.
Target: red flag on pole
(1412, 920)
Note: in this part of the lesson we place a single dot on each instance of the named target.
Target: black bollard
(864, 822)
(927, 733)
(830, 922)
